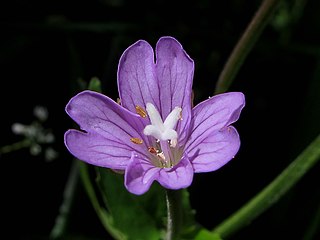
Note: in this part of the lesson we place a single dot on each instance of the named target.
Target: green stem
(60, 225)
(15, 146)
(313, 226)
(101, 212)
(174, 213)
(273, 192)
(245, 44)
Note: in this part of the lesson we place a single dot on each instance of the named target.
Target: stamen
(173, 142)
(141, 111)
(136, 140)
(152, 150)
(119, 101)
(161, 155)
(164, 132)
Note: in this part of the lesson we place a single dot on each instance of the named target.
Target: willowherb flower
(154, 134)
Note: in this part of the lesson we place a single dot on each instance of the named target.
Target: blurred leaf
(144, 217)
(204, 234)
(104, 216)
(189, 227)
(136, 217)
(94, 84)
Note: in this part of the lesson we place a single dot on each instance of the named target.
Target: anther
(136, 140)
(161, 155)
(119, 101)
(173, 142)
(141, 111)
(152, 150)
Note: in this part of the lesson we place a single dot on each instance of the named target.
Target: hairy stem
(245, 44)
(174, 213)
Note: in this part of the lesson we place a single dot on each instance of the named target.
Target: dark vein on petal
(138, 83)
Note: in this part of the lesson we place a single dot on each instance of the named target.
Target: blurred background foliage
(49, 50)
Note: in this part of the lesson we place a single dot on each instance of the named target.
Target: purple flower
(155, 134)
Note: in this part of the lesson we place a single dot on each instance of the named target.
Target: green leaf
(204, 234)
(104, 216)
(94, 84)
(189, 226)
(136, 217)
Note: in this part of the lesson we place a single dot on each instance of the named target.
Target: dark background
(48, 47)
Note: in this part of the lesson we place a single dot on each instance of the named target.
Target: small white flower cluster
(37, 135)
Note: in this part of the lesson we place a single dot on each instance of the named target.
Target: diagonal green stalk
(61, 221)
(245, 44)
(313, 226)
(103, 215)
(273, 192)
(15, 146)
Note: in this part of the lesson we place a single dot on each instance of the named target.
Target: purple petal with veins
(155, 135)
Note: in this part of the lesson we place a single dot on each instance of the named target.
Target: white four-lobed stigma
(162, 130)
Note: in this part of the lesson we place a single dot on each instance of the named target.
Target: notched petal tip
(78, 100)
(139, 175)
(96, 150)
(238, 99)
(74, 98)
(70, 141)
(138, 49)
(65, 138)
(137, 83)
(178, 177)
(176, 48)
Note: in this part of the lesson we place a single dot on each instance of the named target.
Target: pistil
(164, 132)
(167, 154)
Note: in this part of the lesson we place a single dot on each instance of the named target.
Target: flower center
(167, 137)
(162, 130)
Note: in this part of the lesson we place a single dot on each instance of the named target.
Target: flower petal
(174, 69)
(215, 150)
(139, 175)
(109, 129)
(166, 84)
(137, 82)
(180, 176)
(213, 115)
